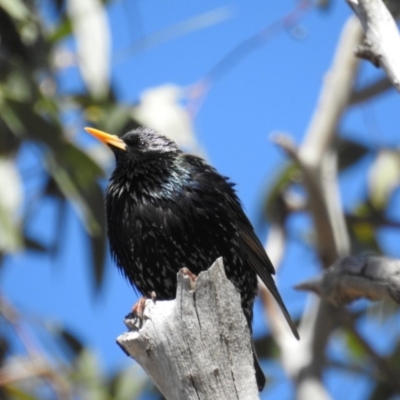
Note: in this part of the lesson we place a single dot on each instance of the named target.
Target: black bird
(167, 210)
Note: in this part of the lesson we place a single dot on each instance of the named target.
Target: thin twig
(382, 40)
(41, 366)
(316, 158)
(367, 93)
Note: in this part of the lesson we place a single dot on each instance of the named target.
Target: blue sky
(274, 88)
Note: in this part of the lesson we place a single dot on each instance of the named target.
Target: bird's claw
(186, 272)
(138, 309)
(137, 312)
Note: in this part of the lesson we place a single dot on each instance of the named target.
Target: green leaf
(91, 30)
(10, 202)
(73, 170)
(88, 376)
(128, 383)
(61, 31)
(384, 177)
(363, 231)
(75, 173)
(353, 344)
(16, 8)
(18, 86)
(16, 393)
(76, 178)
(25, 123)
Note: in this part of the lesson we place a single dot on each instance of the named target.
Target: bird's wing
(251, 247)
(258, 260)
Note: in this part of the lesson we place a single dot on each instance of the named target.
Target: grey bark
(197, 346)
(382, 40)
(351, 278)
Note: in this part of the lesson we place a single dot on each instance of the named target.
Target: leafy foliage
(39, 118)
(33, 115)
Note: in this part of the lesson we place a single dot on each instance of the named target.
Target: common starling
(167, 210)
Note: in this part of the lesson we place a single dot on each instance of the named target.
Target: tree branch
(382, 40)
(368, 92)
(350, 278)
(197, 346)
(316, 159)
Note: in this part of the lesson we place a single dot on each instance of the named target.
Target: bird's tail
(274, 291)
(260, 377)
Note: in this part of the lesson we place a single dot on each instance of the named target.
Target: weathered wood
(350, 278)
(197, 346)
(382, 39)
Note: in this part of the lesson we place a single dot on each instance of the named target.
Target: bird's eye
(134, 142)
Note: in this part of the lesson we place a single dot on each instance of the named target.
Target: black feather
(167, 210)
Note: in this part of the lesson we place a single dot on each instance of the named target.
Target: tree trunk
(197, 346)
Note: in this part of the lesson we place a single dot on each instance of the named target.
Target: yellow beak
(106, 138)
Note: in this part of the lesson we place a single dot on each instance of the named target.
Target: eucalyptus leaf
(363, 232)
(384, 177)
(76, 174)
(26, 123)
(353, 344)
(88, 376)
(16, 8)
(61, 31)
(10, 204)
(15, 393)
(18, 86)
(128, 383)
(90, 27)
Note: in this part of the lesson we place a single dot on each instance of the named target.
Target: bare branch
(197, 346)
(314, 156)
(369, 92)
(317, 161)
(382, 40)
(38, 364)
(350, 278)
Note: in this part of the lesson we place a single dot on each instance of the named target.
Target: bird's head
(137, 146)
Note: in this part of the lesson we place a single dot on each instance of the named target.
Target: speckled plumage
(167, 210)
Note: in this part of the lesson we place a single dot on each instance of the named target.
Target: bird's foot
(137, 312)
(185, 271)
(190, 274)
(138, 309)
